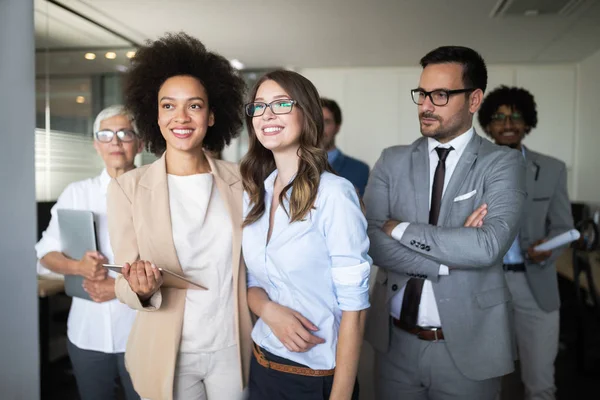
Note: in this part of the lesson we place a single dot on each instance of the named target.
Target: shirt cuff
(444, 270)
(352, 286)
(154, 302)
(399, 230)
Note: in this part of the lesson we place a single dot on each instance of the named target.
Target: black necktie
(414, 287)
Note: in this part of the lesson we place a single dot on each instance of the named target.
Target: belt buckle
(435, 333)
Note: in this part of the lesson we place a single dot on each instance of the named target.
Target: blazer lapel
(420, 177)
(230, 189)
(153, 201)
(459, 175)
(532, 170)
(339, 162)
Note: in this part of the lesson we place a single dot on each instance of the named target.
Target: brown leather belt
(290, 369)
(430, 334)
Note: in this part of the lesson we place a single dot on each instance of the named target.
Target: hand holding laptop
(90, 266)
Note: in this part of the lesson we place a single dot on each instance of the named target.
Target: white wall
(378, 111)
(587, 143)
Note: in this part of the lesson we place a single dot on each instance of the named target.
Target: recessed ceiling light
(80, 99)
(90, 56)
(130, 54)
(237, 64)
(532, 13)
(111, 55)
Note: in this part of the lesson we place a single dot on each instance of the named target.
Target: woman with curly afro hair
(183, 214)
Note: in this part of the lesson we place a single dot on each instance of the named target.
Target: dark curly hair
(513, 97)
(176, 55)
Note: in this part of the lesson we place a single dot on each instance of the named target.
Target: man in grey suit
(442, 213)
(507, 115)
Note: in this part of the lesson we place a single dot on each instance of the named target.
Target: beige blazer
(139, 224)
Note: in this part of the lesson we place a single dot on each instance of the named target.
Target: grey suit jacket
(473, 300)
(547, 214)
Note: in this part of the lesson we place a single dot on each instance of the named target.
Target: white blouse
(202, 234)
(102, 327)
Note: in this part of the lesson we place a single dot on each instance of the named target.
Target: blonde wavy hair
(259, 163)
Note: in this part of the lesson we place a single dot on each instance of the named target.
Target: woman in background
(305, 247)
(183, 213)
(98, 329)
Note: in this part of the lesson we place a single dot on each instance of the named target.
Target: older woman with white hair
(98, 329)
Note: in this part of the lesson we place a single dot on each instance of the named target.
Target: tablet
(77, 236)
(170, 279)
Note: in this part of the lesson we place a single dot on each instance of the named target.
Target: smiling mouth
(272, 130)
(509, 134)
(182, 133)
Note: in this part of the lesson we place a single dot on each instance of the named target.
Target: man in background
(507, 115)
(350, 168)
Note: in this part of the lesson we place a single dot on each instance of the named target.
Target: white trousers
(208, 376)
(537, 339)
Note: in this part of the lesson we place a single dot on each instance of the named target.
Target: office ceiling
(335, 33)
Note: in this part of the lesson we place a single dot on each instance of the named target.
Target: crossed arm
(481, 247)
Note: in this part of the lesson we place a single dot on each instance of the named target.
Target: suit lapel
(339, 162)
(153, 201)
(459, 175)
(420, 176)
(532, 169)
(230, 189)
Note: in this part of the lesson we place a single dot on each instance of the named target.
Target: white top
(102, 327)
(202, 234)
(428, 311)
(318, 266)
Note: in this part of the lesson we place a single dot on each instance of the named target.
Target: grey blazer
(547, 214)
(473, 301)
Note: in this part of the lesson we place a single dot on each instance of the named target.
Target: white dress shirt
(202, 234)
(318, 266)
(102, 327)
(428, 311)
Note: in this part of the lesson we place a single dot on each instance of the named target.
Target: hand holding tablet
(169, 279)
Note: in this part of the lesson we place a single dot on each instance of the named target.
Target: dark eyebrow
(190, 99)
(281, 96)
(423, 90)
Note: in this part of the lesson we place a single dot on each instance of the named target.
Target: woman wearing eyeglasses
(305, 247)
(97, 330)
(183, 213)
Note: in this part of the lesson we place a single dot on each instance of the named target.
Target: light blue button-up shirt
(318, 266)
(514, 254)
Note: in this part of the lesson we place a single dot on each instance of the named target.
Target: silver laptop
(77, 236)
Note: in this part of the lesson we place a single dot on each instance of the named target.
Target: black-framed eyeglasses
(106, 135)
(500, 118)
(439, 97)
(258, 108)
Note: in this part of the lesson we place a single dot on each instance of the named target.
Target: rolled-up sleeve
(345, 229)
(50, 240)
(252, 281)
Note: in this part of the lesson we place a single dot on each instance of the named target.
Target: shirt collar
(270, 183)
(332, 155)
(459, 143)
(104, 180)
